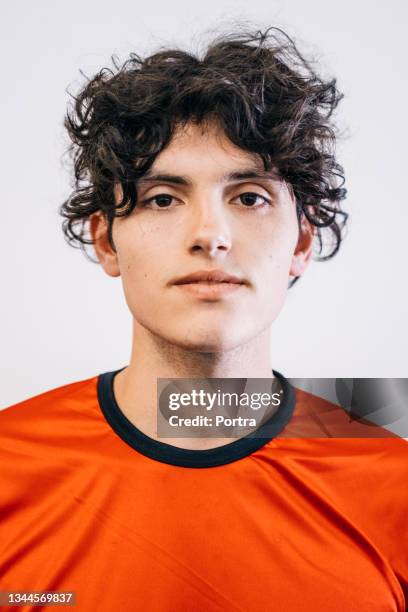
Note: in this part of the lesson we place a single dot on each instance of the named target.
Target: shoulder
(44, 441)
(49, 434)
(316, 417)
(49, 396)
(46, 414)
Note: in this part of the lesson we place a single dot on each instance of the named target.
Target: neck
(153, 357)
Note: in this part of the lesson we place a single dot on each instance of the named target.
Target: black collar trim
(173, 455)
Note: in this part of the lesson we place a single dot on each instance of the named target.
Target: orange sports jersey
(302, 520)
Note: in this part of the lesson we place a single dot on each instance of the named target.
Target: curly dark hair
(263, 93)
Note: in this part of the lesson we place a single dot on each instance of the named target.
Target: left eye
(249, 199)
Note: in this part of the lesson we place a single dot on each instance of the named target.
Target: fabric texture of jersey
(308, 520)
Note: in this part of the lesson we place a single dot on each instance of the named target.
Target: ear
(303, 252)
(108, 259)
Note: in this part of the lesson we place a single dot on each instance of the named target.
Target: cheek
(271, 264)
(140, 248)
(139, 262)
(273, 249)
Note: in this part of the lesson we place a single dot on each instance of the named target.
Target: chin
(209, 341)
(204, 335)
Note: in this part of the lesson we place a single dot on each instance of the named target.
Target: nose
(210, 231)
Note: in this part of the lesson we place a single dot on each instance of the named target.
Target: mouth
(210, 290)
(210, 285)
(216, 275)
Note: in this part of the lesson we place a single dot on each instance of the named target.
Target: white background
(63, 319)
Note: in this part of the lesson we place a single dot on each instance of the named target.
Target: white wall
(63, 319)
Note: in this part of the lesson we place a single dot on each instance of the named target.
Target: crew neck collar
(173, 455)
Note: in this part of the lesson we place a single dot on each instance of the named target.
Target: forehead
(200, 146)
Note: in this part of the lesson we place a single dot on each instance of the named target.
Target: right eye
(162, 200)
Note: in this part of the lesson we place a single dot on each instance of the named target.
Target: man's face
(199, 209)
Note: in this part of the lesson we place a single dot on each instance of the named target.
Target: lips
(210, 285)
(209, 277)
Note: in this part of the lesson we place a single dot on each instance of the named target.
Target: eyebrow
(226, 178)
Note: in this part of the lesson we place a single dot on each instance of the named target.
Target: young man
(204, 183)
